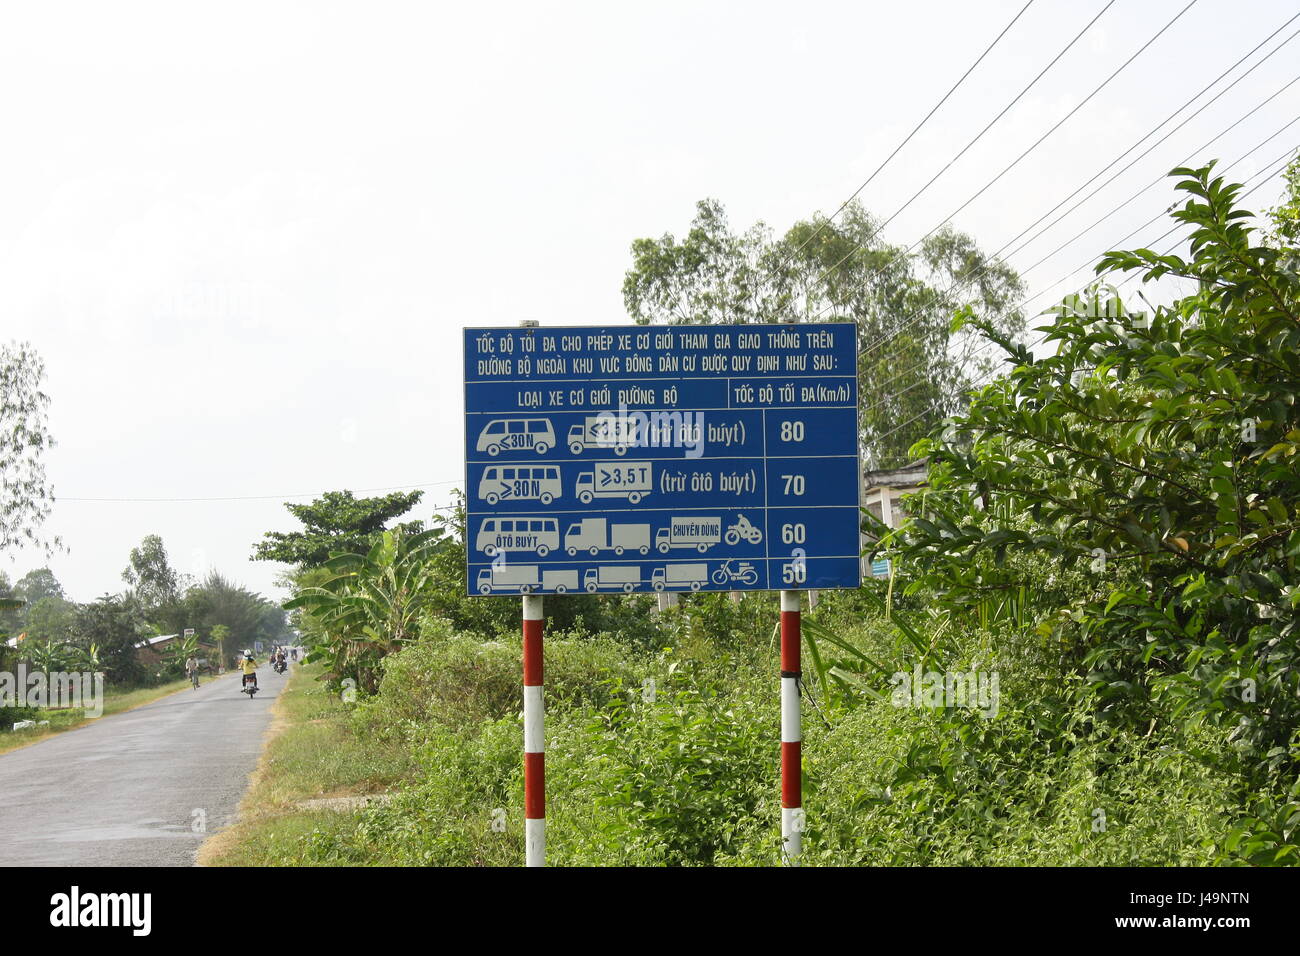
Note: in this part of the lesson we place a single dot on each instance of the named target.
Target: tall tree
(10, 607)
(1286, 217)
(336, 523)
(37, 585)
(113, 626)
(26, 497)
(914, 367)
(51, 619)
(248, 616)
(151, 576)
(1158, 450)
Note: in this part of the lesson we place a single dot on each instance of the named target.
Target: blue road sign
(620, 459)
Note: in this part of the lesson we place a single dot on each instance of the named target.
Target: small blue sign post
(621, 459)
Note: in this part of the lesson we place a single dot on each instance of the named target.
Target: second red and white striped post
(791, 733)
(534, 736)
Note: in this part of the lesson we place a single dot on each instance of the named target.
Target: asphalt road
(125, 790)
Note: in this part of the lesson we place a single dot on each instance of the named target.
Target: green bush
(12, 715)
(673, 777)
(905, 787)
(458, 681)
(447, 819)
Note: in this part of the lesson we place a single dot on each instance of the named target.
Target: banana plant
(846, 674)
(87, 658)
(184, 649)
(371, 605)
(47, 656)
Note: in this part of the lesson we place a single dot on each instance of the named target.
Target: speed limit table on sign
(661, 458)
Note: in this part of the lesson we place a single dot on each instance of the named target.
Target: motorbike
(744, 572)
(250, 685)
(743, 529)
(280, 667)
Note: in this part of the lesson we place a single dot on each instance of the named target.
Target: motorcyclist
(250, 669)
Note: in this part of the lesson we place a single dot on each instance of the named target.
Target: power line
(315, 494)
(916, 129)
(1147, 152)
(960, 283)
(978, 137)
(916, 315)
(1271, 169)
(1015, 162)
(858, 247)
(1145, 188)
(1121, 242)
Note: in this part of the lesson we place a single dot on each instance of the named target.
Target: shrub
(459, 681)
(671, 779)
(12, 715)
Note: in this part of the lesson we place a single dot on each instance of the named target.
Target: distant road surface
(124, 790)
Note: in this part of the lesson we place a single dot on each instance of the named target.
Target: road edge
(89, 721)
(212, 845)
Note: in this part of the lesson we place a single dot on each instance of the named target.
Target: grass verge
(311, 754)
(115, 702)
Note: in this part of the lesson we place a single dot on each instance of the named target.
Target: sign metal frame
(750, 480)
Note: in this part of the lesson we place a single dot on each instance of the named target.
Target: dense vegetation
(54, 633)
(917, 367)
(1111, 530)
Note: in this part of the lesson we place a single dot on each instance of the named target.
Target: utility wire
(1271, 169)
(919, 313)
(994, 257)
(978, 137)
(1146, 152)
(315, 494)
(1015, 162)
(915, 316)
(915, 129)
(1158, 215)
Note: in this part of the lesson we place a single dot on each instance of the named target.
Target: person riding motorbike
(250, 669)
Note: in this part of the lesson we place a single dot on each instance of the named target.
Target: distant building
(883, 491)
(151, 651)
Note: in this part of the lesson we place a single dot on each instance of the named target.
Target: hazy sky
(244, 237)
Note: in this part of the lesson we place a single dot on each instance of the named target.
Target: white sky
(244, 236)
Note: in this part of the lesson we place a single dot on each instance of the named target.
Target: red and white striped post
(534, 736)
(791, 734)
